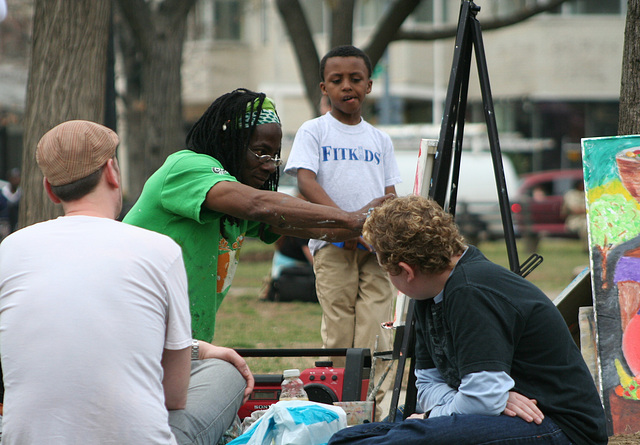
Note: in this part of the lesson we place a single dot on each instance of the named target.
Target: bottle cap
(288, 373)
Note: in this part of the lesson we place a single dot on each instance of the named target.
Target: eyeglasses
(263, 159)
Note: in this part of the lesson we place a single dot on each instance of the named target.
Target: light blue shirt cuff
(484, 392)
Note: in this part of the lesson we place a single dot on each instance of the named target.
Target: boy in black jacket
(495, 362)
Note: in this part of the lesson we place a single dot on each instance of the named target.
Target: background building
(554, 77)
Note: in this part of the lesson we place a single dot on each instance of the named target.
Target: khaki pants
(356, 297)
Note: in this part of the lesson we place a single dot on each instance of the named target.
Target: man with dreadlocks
(222, 189)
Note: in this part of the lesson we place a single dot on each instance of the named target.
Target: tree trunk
(158, 110)
(629, 120)
(154, 106)
(341, 22)
(67, 77)
(133, 109)
(300, 35)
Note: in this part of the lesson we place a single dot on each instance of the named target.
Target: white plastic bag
(295, 423)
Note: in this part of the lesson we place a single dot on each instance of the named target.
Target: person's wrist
(359, 218)
(195, 350)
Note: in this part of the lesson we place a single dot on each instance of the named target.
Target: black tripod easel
(446, 169)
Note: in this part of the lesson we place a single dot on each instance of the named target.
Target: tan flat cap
(75, 149)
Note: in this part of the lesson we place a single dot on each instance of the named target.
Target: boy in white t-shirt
(342, 161)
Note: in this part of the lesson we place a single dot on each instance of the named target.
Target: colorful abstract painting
(612, 191)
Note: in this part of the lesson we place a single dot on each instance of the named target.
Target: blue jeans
(216, 389)
(457, 429)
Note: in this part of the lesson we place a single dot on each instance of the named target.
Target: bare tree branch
(388, 27)
(487, 25)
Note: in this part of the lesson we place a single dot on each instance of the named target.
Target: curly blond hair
(415, 230)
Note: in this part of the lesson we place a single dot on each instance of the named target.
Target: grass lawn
(245, 322)
(561, 258)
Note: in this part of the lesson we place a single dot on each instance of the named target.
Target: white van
(477, 208)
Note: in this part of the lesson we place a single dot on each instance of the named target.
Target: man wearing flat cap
(95, 330)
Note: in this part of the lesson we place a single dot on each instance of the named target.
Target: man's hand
(361, 215)
(523, 407)
(207, 350)
(376, 202)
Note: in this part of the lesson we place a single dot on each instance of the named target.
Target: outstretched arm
(315, 193)
(285, 214)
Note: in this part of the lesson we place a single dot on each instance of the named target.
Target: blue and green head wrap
(268, 114)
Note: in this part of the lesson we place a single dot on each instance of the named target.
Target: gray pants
(215, 394)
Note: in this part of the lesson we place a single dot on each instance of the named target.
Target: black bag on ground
(295, 283)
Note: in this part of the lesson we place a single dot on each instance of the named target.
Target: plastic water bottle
(292, 386)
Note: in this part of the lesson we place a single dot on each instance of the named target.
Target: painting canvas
(612, 192)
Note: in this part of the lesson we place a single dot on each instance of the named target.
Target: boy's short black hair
(345, 51)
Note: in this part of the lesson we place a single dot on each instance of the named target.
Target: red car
(537, 207)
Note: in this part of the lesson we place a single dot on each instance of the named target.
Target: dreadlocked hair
(223, 133)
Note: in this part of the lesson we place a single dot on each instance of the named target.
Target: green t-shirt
(172, 203)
